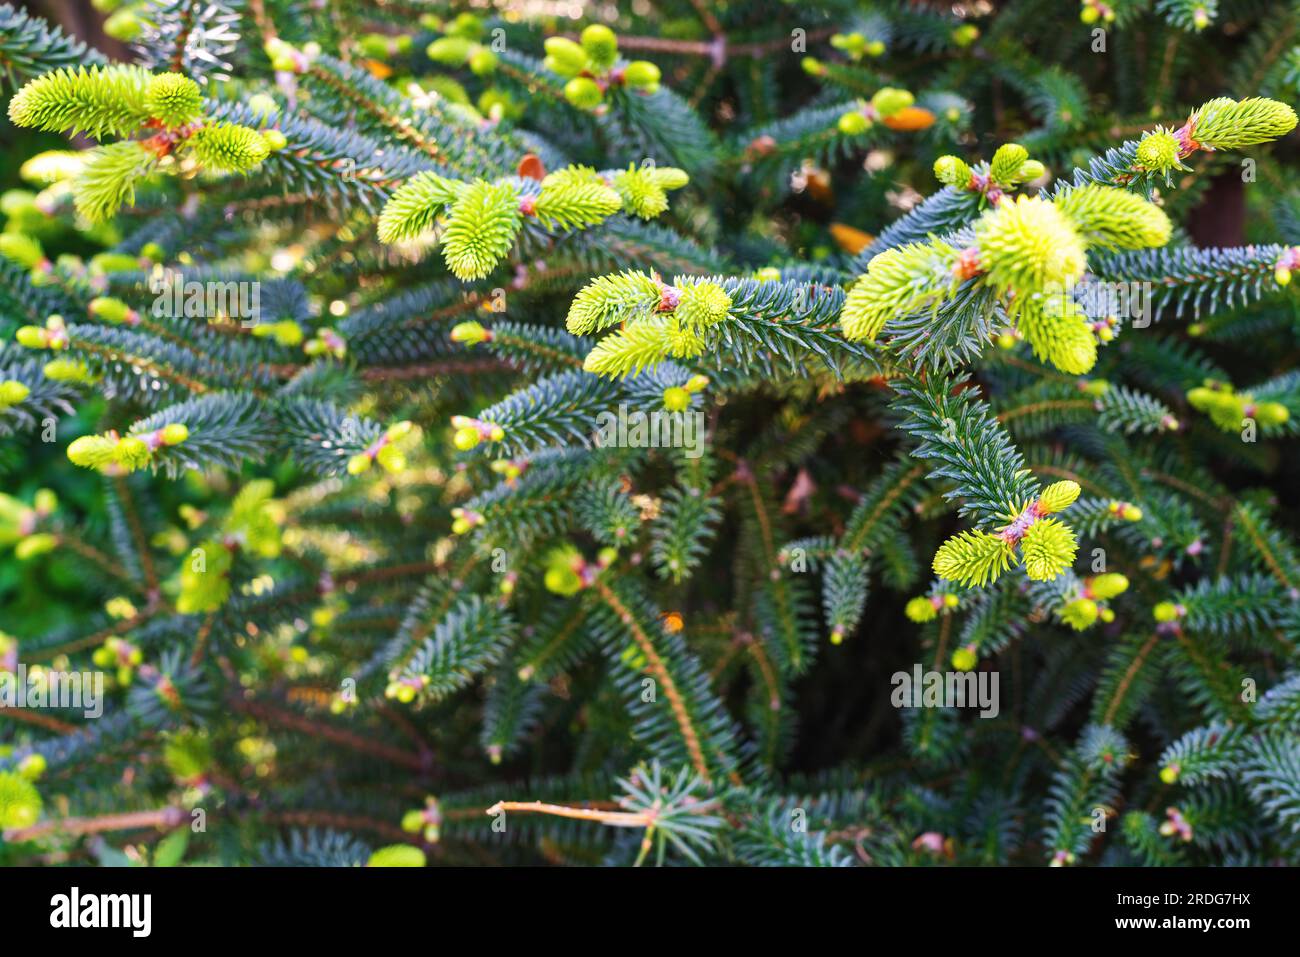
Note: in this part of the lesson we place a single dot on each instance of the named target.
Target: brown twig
(40, 720)
(137, 533)
(166, 817)
(348, 739)
(612, 818)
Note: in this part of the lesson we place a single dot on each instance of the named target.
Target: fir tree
(461, 437)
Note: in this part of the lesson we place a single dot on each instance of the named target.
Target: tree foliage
(459, 437)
